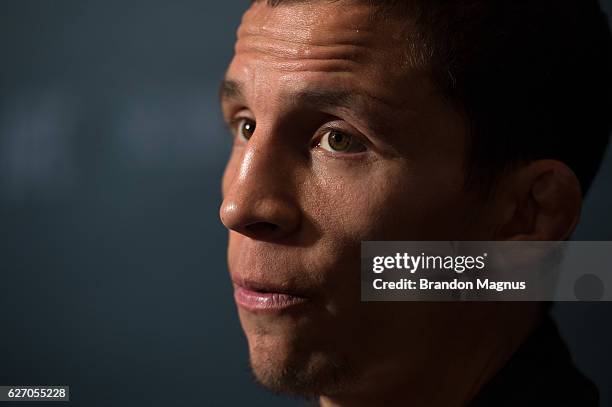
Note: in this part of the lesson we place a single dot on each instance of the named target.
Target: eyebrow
(232, 90)
(326, 98)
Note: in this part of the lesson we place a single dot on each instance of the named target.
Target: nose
(258, 200)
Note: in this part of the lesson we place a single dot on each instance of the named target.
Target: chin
(288, 363)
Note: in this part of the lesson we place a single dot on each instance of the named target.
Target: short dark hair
(532, 77)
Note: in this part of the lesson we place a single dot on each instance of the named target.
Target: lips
(265, 298)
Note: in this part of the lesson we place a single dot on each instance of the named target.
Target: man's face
(339, 137)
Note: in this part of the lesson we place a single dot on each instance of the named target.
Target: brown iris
(339, 141)
(246, 128)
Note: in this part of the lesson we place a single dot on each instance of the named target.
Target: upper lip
(268, 287)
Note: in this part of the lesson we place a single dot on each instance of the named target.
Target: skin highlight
(297, 210)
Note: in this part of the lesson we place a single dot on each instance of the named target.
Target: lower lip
(265, 302)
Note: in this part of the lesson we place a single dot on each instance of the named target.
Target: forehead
(304, 25)
(336, 43)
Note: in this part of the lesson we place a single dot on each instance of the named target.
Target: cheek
(390, 202)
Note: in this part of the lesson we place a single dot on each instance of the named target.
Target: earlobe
(546, 202)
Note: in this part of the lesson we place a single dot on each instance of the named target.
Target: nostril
(267, 218)
(261, 228)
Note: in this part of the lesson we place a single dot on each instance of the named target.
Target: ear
(541, 200)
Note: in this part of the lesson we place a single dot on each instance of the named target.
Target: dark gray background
(111, 252)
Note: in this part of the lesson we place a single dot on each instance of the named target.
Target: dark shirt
(540, 373)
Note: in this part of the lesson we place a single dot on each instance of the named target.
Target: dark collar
(540, 373)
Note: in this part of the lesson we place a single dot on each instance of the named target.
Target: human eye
(243, 128)
(339, 142)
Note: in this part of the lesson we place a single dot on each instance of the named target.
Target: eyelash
(235, 124)
(329, 129)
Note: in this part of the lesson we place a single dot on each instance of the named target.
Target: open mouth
(259, 298)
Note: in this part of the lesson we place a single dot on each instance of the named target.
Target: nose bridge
(261, 192)
(260, 172)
